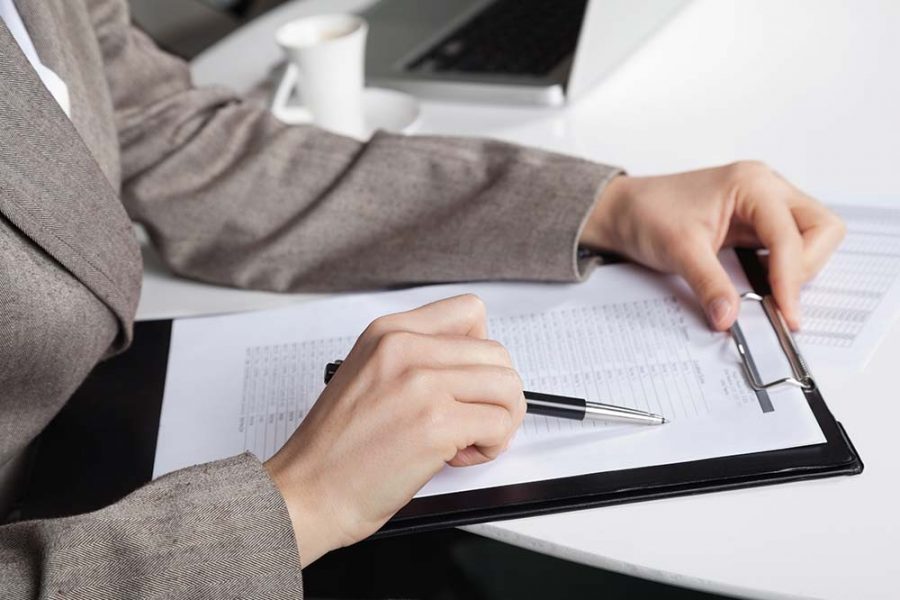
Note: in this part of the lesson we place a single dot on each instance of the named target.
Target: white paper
(849, 306)
(627, 336)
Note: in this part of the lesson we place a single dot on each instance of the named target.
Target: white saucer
(389, 110)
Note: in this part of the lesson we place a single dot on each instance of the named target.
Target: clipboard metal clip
(800, 377)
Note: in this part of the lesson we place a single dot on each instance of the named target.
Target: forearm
(300, 209)
(212, 531)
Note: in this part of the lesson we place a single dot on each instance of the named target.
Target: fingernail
(718, 310)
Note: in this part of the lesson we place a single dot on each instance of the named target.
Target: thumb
(701, 268)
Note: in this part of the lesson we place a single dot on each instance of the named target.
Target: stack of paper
(627, 336)
(850, 305)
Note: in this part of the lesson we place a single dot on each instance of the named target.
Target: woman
(98, 128)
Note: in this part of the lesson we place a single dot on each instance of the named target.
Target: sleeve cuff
(218, 530)
(585, 260)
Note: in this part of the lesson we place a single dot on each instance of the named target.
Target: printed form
(849, 306)
(627, 336)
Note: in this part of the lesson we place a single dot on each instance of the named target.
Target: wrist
(601, 228)
(310, 530)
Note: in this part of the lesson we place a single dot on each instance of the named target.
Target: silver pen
(564, 407)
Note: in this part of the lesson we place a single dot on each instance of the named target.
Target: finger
(458, 351)
(488, 429)
(777, 230)
(472, 384)
(397, 351)
(699, 265)
(487, 384)
(822, 233)
(459, 315)
(461, 392)
(469, 457)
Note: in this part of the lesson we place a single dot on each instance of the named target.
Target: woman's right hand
(419, 390)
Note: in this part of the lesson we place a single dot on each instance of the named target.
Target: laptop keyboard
(508, 37)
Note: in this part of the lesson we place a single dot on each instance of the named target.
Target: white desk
(813, 88)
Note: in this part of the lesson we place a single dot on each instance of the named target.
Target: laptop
(505, 51)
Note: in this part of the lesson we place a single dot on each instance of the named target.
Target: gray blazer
(230, 196)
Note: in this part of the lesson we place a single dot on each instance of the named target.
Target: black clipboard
(835, 457)
(113, 418)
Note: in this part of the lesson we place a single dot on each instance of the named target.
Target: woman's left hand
(678, 223)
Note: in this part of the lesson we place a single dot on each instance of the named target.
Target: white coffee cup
(326, 58)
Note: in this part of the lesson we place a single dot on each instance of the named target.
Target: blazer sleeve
(219, 530)
(231, 196)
